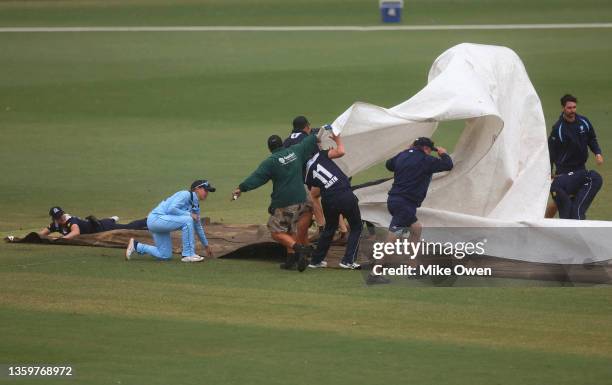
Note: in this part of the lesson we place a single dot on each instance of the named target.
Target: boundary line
(306, 28)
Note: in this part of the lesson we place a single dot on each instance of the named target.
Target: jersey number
(318, 174)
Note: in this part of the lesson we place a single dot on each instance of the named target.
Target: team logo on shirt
(581, 129)
(287, 159)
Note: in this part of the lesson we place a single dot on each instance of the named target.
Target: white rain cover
(501, 174)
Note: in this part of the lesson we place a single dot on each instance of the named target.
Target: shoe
(289, 264)
(377, 280)
(303, 254)
(193, 258)
(319, 265)
(130, 249)
(351, 266)
(115, 218)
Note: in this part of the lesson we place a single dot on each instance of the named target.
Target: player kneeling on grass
(290, 213)
(181, 211)
(71, 227)
(337, 198)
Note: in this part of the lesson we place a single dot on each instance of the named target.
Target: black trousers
(110, 224)
(345, 203)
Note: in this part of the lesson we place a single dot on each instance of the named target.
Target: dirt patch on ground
(244, 241)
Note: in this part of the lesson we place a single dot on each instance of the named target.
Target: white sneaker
(319, 265)
(193, 258)
(115, 218)
(351, 266)
(130, 249)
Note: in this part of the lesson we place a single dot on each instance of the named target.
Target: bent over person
(70, 226)
(337, 198)
(574, 191)
(413, 169)
(181, 211)
(290, 213)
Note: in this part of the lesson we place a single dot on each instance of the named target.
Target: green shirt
(284, 167)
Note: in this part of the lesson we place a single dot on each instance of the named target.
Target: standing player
(568, 144)
(181, 211)
(337, 198)
(413, 169)
(290, 214)
(71, 227)
(569, 139)
(301, 130)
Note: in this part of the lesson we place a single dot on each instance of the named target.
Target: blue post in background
(391, 10)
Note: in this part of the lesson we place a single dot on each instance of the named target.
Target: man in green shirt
(290, 212)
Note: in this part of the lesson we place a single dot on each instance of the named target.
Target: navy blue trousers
(110, 224)
(345, 203)
(585, 195)
(573, 192)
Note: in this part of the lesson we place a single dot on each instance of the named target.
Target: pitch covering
(501, 177)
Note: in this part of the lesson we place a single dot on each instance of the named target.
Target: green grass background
(111, 123)
(296, 12)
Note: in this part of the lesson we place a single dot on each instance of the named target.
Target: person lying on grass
(70, 227)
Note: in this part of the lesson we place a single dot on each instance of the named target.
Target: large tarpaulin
(254, 242)
(501, 178)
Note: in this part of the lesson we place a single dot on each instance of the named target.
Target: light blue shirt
(180, 204)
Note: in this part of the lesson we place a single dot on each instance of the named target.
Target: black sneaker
(289, 264)
(303, 254)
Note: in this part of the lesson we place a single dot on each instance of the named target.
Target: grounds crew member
(568, 144)
(71, 227)
(574, 191)
(290, 213)
(301, 130)
(181, 211)
(413, 169)
(338, 199)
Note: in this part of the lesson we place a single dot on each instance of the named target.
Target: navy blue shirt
(294, 138)
(85, 227)
(568, 142)
(323, 173)
(413, 170)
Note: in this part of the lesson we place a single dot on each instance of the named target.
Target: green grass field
(111, 123)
